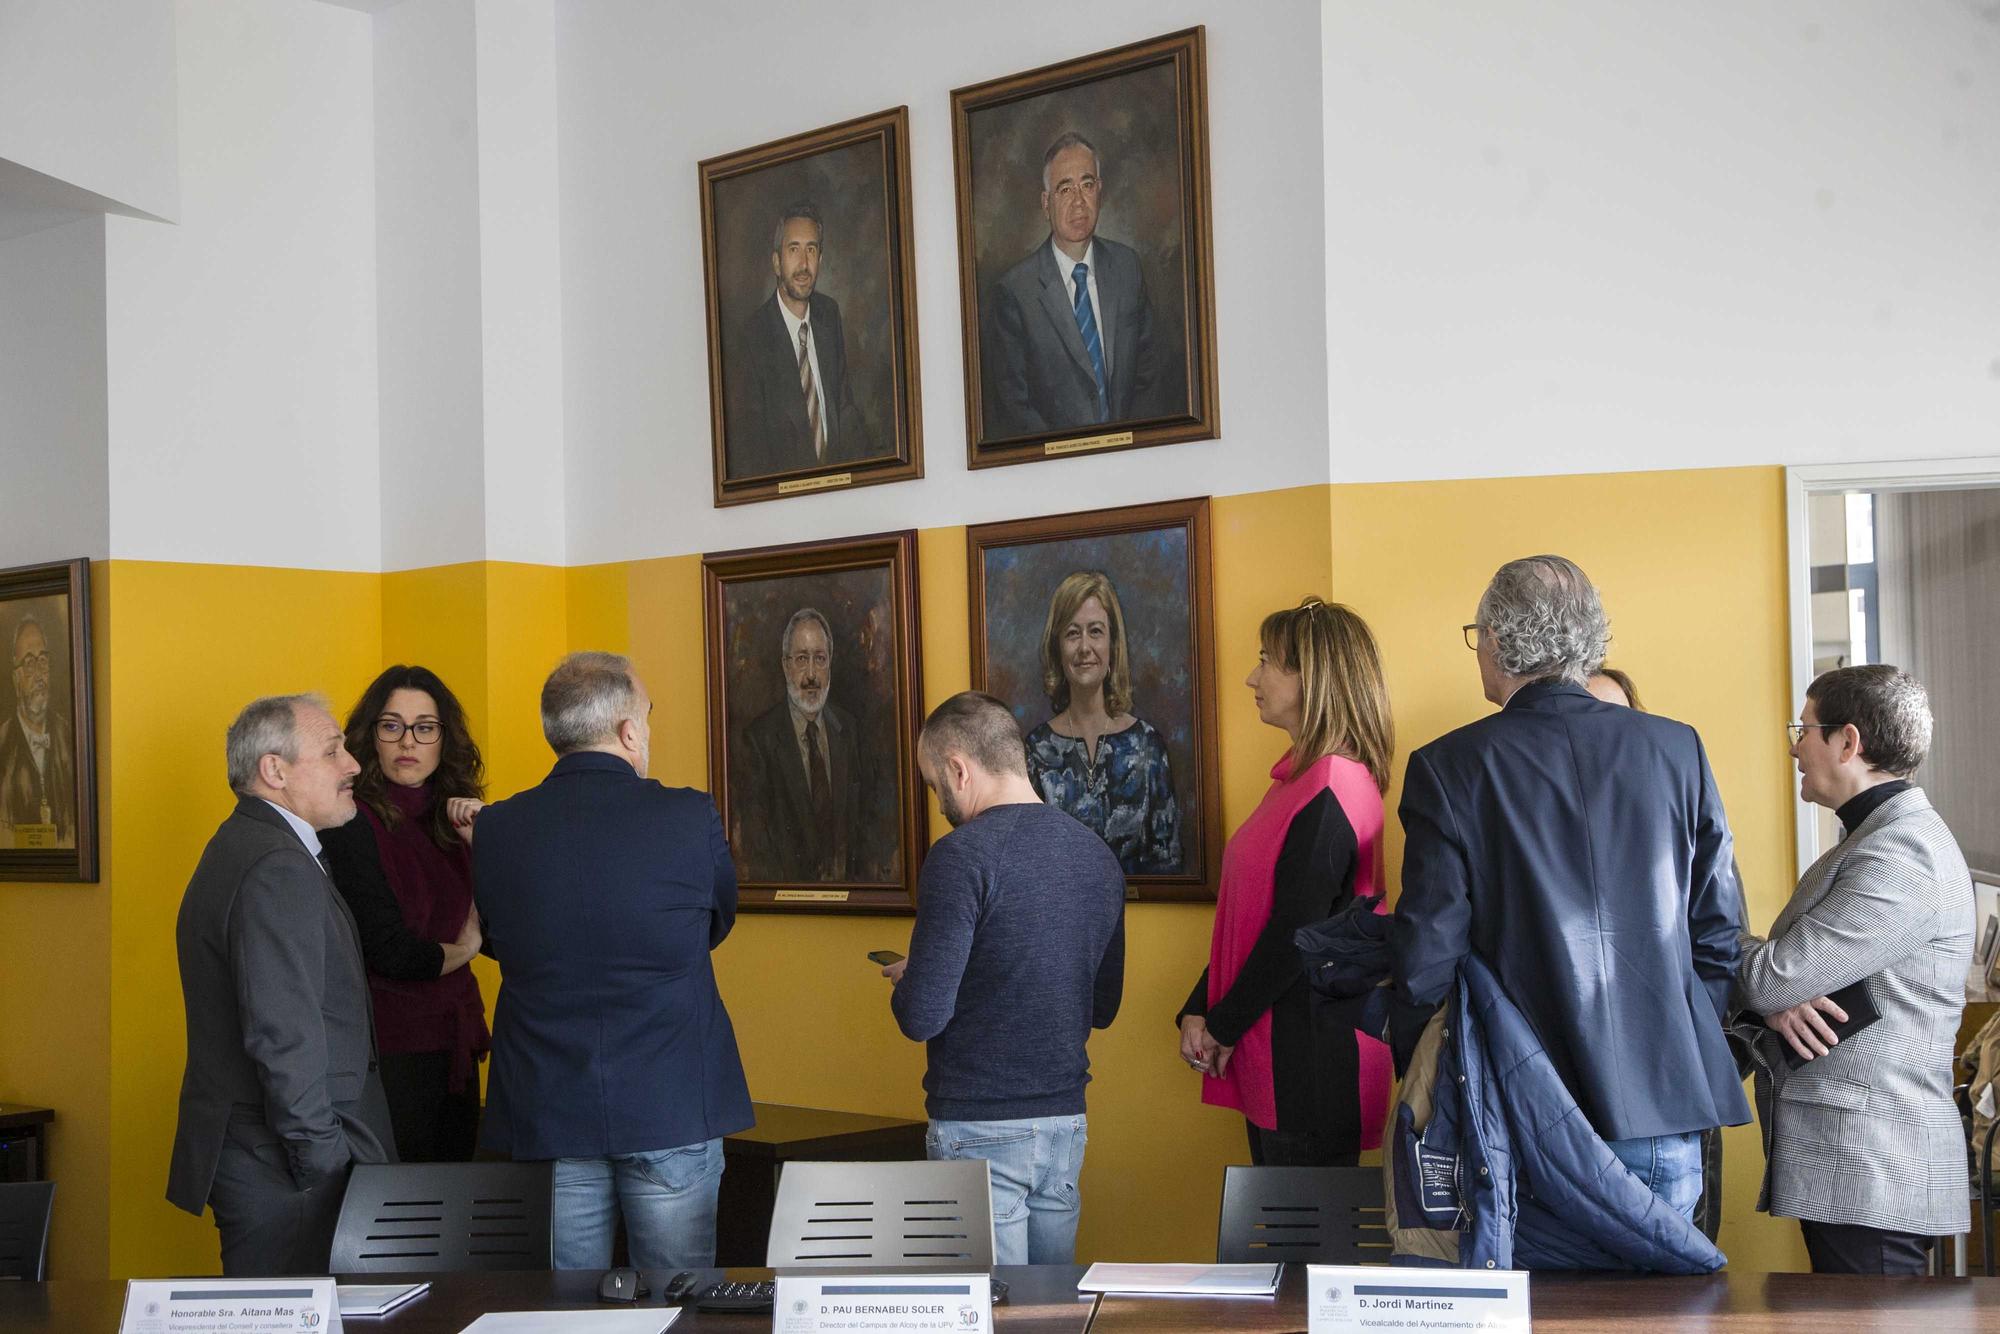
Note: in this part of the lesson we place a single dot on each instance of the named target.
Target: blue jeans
(1670, 1165)
(1035, 1165)
(667, 1197)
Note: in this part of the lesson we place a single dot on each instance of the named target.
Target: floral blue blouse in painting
(1127, 797)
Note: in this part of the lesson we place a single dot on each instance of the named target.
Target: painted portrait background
(52, 612)
(849, 185)
(1150, 572)
(857, 604)
(1133, 121)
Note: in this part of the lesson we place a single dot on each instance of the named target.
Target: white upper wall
(645, 91)
(1578, 238)
(53, 501)
(241, 343)
(87, 97)
(427, 285)
(520, 265)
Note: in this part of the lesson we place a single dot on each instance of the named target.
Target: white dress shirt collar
(307, 835)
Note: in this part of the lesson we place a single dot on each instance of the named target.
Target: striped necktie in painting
(812, 399)
(1086, 324)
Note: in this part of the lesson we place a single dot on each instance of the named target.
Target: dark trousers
(432, 1124)
(1847, 1248)
(1294, 1148)
(269, 1227)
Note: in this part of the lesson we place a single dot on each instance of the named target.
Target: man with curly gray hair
(1581, 851)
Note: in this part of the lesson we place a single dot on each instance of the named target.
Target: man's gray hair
(585, 698)
(798, 208)
(267, 726)
(791, 627)
(1546, 620)
(28, 621)
(1070, 139)
(979, 726)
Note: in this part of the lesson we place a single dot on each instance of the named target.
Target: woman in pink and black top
(1313, 1090)
(405, 868)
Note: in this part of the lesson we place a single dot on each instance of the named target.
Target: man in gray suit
(280, 1097)
(804, 769)
(1068, 340)
(1862, 1141)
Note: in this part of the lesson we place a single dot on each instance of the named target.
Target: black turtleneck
(1862, 804)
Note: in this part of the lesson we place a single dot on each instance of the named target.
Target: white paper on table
(373, 1299)
(1193, 1280)
(639, 1320)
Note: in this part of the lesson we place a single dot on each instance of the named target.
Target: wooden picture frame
(48, 806)
(857, 846)
(1159, 793)
(1137, 117)
(848, 187)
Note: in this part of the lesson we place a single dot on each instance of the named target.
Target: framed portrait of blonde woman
(1097, 629)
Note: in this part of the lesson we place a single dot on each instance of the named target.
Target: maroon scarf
(434, 889)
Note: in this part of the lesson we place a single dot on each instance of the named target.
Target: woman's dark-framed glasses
(425, 730)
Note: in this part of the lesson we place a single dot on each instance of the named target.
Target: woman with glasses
(405, 868)
(1313, 1090)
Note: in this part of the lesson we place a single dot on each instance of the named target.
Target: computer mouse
(620, 1285)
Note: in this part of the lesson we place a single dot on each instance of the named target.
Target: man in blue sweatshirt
(1018, 952)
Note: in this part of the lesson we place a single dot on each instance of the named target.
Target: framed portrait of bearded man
(815, 699)
(48, 768)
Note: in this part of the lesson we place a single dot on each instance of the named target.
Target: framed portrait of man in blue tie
(814, 702)
(1084, 254)
(812, 320)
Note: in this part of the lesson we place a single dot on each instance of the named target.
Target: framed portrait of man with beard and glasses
(815, 699)
(812, 312)
(48, 771)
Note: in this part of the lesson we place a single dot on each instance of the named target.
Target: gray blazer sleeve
(277, 944)
(1879, 908)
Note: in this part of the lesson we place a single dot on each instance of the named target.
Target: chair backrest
(444, 1217)
(1314, 1215)
(909, 1214)
(25, 1207)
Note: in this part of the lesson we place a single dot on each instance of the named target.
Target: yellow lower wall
(1692, 565)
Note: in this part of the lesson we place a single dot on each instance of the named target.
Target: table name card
(230, 1306)
(883, 1304)
(1343, 1298)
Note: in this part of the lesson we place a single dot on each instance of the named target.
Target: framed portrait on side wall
(815, 698)
(48, 765)
(812, 312)
(1097, 629)
(1086, 279)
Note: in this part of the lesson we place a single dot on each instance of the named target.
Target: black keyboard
(736, 1297)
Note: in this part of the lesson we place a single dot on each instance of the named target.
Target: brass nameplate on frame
(1087, 443)
(811, 896)
(815, 483)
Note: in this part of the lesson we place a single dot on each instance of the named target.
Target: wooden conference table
(1044, 1300)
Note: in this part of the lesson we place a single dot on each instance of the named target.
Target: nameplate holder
(1340, 1298)
(35, 836)
(799, 484)
(1086, 443)
(856, 1303)
(810, 896)
(231, 1306)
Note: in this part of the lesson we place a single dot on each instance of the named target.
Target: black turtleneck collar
(1862, 804)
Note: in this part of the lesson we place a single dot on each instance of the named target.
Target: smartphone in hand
(884, 957)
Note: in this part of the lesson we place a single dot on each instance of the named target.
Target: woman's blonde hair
(1071, 594)
(1343, 703)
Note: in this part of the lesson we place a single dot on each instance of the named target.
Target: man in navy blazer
(603, 893)
(1581, 850)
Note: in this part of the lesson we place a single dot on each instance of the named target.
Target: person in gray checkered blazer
(1862, 1141)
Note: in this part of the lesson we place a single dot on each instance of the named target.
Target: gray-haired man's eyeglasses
(1471, 633)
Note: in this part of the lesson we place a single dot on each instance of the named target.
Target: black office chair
(445, 1217)
(1314, 1215)
(25, 1207)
